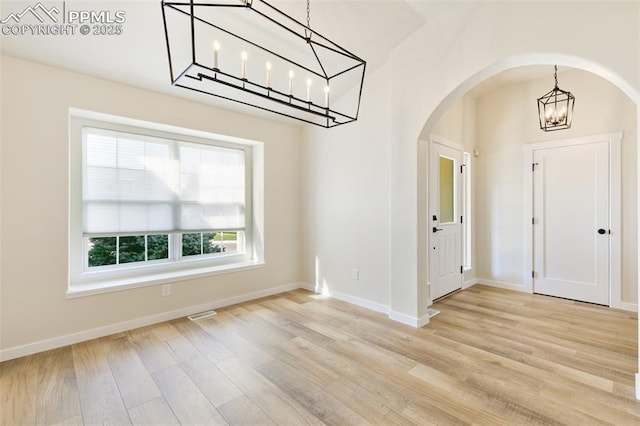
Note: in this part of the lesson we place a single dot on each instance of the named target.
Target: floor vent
(199, 316)
(432, 312)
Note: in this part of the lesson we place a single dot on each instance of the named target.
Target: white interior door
(571, 225)
(445, 253)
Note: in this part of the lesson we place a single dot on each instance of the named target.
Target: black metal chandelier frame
(555, 108)
(304, 110)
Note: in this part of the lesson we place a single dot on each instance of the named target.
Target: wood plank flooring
(490, 357)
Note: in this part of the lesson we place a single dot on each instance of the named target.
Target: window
(148, 204)
(447, 190)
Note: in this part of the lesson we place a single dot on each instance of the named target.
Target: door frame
(615, 208)
(458, 147)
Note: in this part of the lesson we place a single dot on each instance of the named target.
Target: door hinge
(461, 269)
(461, 169)
(533, 274)
(533, 220)
(461, 219)
(533, 167)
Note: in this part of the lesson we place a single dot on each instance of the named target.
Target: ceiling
(514, 76)
(138, 56)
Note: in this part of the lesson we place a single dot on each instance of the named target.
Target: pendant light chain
(555, 74)
(307, 30)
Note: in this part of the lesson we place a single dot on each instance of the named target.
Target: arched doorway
(488, 72)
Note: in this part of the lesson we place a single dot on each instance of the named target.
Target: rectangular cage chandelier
(250, 52)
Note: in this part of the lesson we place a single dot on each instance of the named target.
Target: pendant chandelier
(555, 109)
(250, 52)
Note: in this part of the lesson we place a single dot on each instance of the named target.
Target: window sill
(81, 290)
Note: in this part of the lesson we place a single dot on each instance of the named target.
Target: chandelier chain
(309, 14)
(555, 74)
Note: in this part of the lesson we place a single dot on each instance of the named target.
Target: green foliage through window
(157, 247)
(104, 251)
(131, 249)
(127, 249)
(198, 243)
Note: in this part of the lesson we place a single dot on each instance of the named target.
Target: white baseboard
(501, 284)
(70, 339)
(625, 306)
(374, 306)
(469, 283)
(409, 320)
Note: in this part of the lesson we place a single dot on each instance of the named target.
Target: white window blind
(140, 184)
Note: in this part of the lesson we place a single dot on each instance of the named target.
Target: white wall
(346, 200)
(506, 121)
(458, 123)
(451, 124)
(1, 200)
(34, 183)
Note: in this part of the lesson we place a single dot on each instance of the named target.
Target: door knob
(436, 229)
(600, 231)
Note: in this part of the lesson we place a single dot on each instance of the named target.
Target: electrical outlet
(355, 274)
(166, 289)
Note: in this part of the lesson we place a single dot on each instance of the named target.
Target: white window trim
(100, 287)
(82, 282)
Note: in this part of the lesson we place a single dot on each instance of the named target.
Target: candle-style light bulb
(326, 96)
(309, 83)
(216, 49)
(549, 115)
(268, 65)
(290, 82)
(563, 114)
(243, 56)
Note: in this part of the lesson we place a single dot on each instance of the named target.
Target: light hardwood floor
(490, 357)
